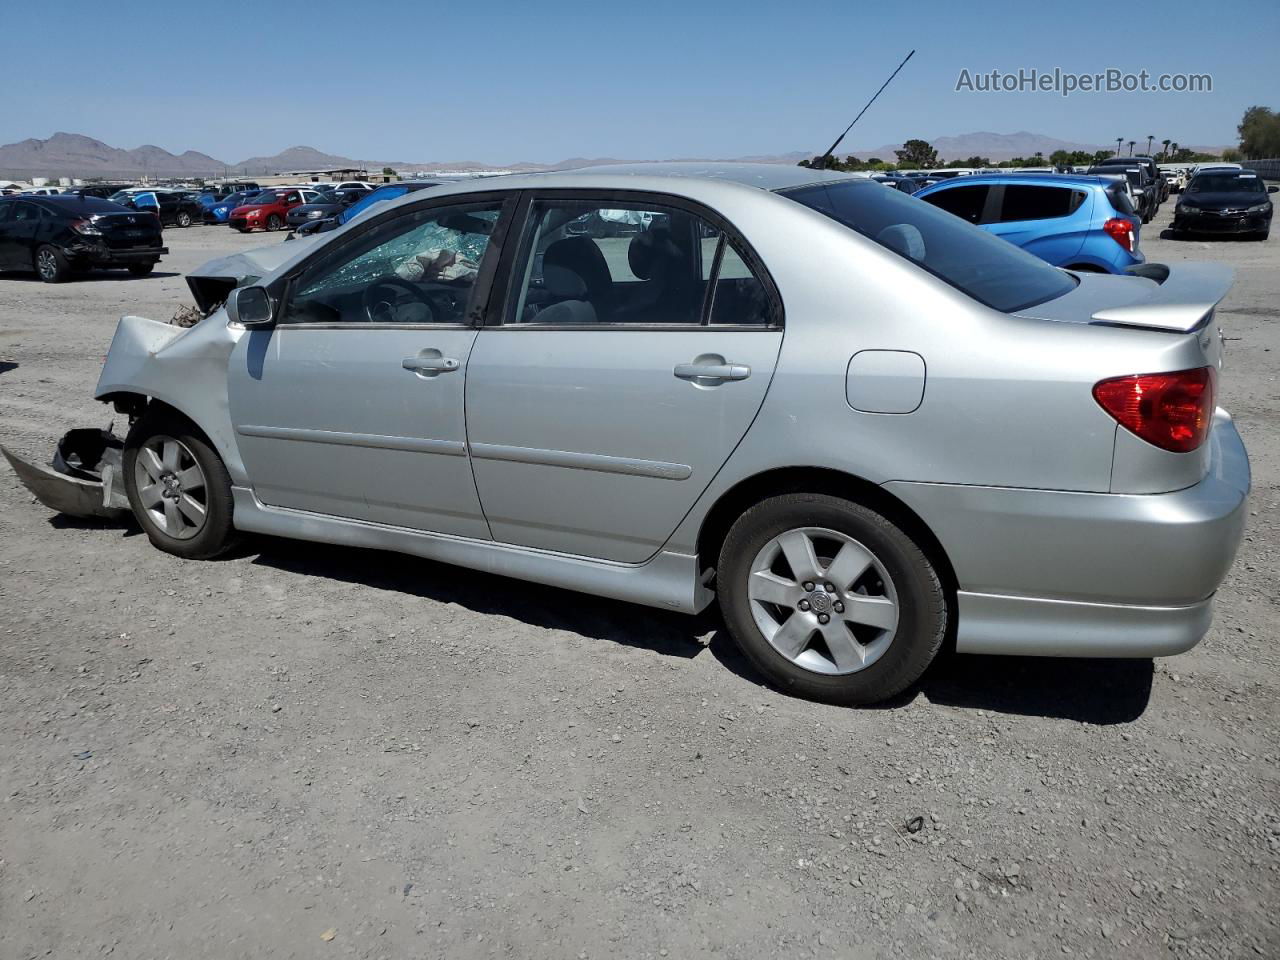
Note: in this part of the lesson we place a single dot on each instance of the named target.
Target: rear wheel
(829, 599)
(141, 269)
(178, 487)
(183, 219)
(51, 265)
(274, 222)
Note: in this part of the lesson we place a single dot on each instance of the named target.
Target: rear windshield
(987, 268)
(1119, 199)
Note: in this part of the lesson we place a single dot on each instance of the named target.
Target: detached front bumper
(1053, 573)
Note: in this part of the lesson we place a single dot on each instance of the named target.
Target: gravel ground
(306, 751)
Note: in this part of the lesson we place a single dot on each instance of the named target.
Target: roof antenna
(822, 160)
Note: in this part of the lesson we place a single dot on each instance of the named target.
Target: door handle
(712, 371)
(430, 364)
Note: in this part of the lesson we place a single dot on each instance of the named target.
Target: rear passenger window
(638, 265)
(964, 202)
(1024, 202)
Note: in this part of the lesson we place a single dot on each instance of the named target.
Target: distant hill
(74, 155)
(66, 154)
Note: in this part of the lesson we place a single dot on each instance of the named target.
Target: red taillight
(1121, 231)
(1173, 411)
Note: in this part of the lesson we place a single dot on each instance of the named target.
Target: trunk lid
(121, 231)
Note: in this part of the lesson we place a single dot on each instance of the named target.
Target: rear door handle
(430, 364)
(712, 371)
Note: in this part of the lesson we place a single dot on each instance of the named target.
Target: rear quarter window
(1026, 202)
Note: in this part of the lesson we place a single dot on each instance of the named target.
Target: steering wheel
(380, 299)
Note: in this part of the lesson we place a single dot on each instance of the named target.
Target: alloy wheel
(823, 600)
(47, 264)
(171, 486)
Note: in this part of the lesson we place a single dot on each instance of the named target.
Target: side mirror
(250, 307)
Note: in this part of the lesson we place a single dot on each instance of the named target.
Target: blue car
(1073, 221)
(389, 191)
(219, 212)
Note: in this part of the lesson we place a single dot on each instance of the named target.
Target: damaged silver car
(862, 424)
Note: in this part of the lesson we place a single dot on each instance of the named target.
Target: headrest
(650, 250)
(904, 238)
(563, 283)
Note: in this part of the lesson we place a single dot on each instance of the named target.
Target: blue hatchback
(1072, 221)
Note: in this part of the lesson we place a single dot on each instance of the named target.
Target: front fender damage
(183, 368)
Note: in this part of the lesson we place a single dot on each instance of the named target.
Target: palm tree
(1165, 144)
(1119, 140)
(1131, 143)
(1149, 139)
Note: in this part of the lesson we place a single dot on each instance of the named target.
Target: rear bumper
(99, 256)
(1054, 573)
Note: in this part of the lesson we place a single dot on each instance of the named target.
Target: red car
(267, 210)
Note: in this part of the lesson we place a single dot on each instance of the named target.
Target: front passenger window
(415, 268)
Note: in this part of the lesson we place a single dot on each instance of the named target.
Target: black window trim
(281, 289)
(515, 254)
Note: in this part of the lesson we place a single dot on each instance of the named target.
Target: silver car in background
(865, 426)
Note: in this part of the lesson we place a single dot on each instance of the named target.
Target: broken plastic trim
(84, 478)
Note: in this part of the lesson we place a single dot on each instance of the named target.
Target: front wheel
(829, 599)
(183, 219)
(178, 487)
(141, 269)
(274, 222)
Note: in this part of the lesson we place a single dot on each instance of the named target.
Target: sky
(543, 81)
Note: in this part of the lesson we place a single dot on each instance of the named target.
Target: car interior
(605, 265)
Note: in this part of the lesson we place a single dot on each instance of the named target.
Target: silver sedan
(864, 426)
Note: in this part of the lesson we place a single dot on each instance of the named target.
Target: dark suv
(1154, 188)
(56, 236)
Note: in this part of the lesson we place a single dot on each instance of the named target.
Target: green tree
(388, 172)
(1260, 133)
(917, 153)
(1101, 155)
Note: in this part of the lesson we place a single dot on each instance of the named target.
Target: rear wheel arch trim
(732, 503)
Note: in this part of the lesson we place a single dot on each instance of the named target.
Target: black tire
(50, 264)
(921, 597)
(274, 222)
(141, 269)
(183, 219)
(217, 535)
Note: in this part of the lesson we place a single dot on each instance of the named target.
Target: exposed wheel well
(736, 500)
(1085, 268)
(133, 405)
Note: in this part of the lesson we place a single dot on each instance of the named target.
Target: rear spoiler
(1183, 300)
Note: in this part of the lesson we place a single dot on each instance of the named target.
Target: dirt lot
(306, 751)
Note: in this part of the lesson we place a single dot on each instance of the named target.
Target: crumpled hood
(213, 280)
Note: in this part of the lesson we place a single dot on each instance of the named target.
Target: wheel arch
(747, 492)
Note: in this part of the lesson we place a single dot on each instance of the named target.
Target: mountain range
(72, 154)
